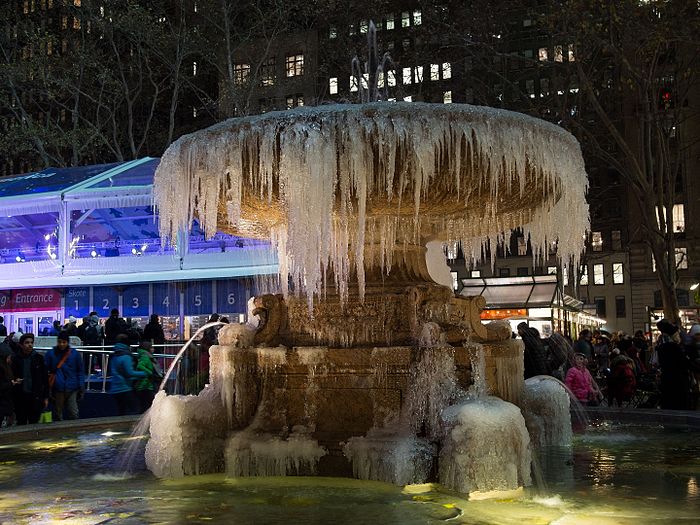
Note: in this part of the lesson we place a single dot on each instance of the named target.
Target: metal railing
(96, 361)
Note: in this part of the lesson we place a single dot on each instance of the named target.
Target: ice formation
(546, 411)
(324, 183)
(487, 447)
(384, 456)
(253, 454)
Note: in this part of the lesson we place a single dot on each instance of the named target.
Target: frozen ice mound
(487, 447)
(546, 410)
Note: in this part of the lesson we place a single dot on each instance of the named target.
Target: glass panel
(542, 294)
(506, 295)
(141, 175)
(28, 237)
(25, 325)
(49, 180)
(44, 324)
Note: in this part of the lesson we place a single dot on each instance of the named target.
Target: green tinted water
(616, 475)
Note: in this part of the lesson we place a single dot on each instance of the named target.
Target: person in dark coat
(31, 395)
(114, 326)
(153, 331)
(675, 369)
(535, 352)
(7, 382)
(69, 379)
(3, 328)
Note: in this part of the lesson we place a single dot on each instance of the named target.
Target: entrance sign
(31, 300)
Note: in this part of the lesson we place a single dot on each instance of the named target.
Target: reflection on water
(614, 475)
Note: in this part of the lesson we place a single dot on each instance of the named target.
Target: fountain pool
(617, 474)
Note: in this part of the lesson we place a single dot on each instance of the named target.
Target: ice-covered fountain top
(336, 188)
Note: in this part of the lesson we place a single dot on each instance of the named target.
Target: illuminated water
(620, 475)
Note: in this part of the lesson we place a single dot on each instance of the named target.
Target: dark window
(658, 302)
(600, 307)
(523, 272)
(683, 297)
(504, 272)
(620, 307)
(267, 72)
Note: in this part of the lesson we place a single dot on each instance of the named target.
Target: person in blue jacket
(123, 374)
(66, 378)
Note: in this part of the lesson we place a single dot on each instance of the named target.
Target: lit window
(352, 29)
(332, 32)
(455, 281)
(267, 72)
(391, 78)
(390, 21)
(64, 22)
(678, 217)
(583, 279)
(558, 54)
(447, 97)
(406, 75)
(294, 101)
(26, 7)
(598, 274)
(522, 245)
(618, 275)
(76, 3)
(616, 240)
(194, 69)
(527, 22)
(543, 54)
(572, 57)
(333, 85)
(353, 84)
(544, 87)
(597, 241)
(295, 65)
(240, 73)
(194, 112)
(409, 98)
(551, 270)
(446, 70)
(417, 18)
(418, 74)
(76, 23)
(565, 275)
(194, 7)
(475, 273)
(681, 258)
(434, 71)
(364, 27)
(405, 19)
(452, 250)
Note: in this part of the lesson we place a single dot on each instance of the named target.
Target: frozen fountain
(363, 364)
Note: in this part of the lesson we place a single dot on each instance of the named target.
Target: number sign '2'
(104, 298)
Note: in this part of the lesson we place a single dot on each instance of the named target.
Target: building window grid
(295, 65)
(620, 307)
(267, 72)
(240, 73)
(333, 85)
(405, 19)
(681, 258)
(583, 277)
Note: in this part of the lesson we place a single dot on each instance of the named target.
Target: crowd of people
(620, 369)
(31, 383)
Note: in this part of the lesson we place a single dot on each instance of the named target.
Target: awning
(536, 291)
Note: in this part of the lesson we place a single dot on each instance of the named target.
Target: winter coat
(580, 382)
(71, 376)
(7, 405)
(535, 354)
(122, 369)
(675, 376)
(622, 383)
(146, 364)
(154, 332)
(113, 327)
(93, 333)
(39, 376)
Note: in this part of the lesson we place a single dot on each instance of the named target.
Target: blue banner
(231, 296)
(198, 298)
(104, 298)
(77, 302)
(166, 299)
(135, 301)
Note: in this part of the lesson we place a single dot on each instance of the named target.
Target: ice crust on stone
(487, 447)
(249, 453)
(326, 167)
(546, 410)
(385, 456)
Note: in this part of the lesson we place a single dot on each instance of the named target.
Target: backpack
(92, 337)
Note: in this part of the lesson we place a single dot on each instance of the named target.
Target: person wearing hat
(66, 378)
(675, 368)
(123, 374)
(71, 327)
(31, 394)
(146, 387)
